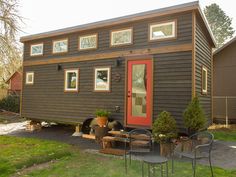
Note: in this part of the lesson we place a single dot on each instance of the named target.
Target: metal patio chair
(140, 143)
(201, 146)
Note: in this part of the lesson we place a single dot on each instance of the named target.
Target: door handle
(129, 94)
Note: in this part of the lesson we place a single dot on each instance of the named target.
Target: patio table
(152, 160)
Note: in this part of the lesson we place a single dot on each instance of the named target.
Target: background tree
(220, 23)
(10, 53)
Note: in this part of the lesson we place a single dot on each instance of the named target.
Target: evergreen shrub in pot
(194, 117)
(164, 129)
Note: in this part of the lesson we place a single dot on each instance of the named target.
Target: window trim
(204, 69)
(109, 78)
(173, 36)
(88, 35)
(26, 77)
(59, 40)
(65, 80)
(119, 30)
(39, 54)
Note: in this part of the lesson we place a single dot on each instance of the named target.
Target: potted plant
(164, 130)
(194, 117)
(102, 117)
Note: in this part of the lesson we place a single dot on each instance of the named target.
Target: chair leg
(172, 164)
(211, 165)
(148, 170)
(130, 158)
(167, 169)
(194, 168)
(142, 169)
(161, 171)
(125, 163)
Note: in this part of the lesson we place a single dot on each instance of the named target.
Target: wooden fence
(3, 93)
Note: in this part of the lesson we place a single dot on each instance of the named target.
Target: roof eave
(115, 21)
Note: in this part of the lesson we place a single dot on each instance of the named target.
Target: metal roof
(129, 18)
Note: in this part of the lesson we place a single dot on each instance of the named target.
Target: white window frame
(173, 35)
(88, 36)
(204, 69)
(118, 31)
(56, 41)
(27, 74)
(36, 54)
(66, 71)
(108, 69)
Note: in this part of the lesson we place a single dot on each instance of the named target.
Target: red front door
(139, 93)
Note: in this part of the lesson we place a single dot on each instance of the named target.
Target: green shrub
(102, 113)
(10, 103)
(164, 127)
(194, 117)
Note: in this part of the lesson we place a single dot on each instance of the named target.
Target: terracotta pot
(102, 121)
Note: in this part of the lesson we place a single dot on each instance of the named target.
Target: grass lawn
(17, 153)
(225, 135)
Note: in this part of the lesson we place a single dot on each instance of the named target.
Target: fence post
(226, 112)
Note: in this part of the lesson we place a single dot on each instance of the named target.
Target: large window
(102, 79)
(165, 30)
(29, 80)
(204, 80)
(88, 42)
(60, 46)
(122, 37)
(36, 49)
(71, 80)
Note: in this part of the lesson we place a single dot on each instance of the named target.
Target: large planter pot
(102, 121)
(166, 149)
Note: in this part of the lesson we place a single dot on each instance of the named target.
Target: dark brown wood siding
(172, 84)
(140, 38)
(46, 99)
(203, 58)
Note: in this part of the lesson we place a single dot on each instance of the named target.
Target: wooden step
(88, 136)
(112, 151)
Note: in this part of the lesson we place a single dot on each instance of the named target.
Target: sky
(46, 15)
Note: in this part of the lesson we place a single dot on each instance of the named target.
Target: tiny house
(134, 66)
(224, 94)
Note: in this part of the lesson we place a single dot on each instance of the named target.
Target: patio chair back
(202, 141)
(140, 140)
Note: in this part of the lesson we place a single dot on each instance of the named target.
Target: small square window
(160, 31)
(36, 49)
(121, 37)
(204, 80)
(60, 46)
(29, 78)
(102, 79)
(88, 42)
(71, 80)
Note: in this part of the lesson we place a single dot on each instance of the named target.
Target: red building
(14, 83)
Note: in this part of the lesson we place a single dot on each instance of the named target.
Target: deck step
(88, 136)
(112, 151)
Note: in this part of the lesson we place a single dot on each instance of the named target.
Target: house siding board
(203, 58)
(46, 99)
(140, 38)
(172, 84)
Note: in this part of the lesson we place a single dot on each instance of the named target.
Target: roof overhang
(225, 45)
(125, 19)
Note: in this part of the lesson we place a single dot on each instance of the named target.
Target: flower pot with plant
(164, 130)
(102, 117)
